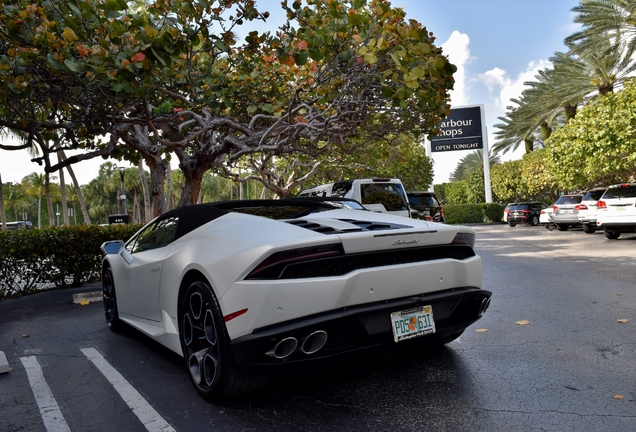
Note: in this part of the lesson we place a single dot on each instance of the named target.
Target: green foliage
(597, 146)
(32, 259)
(466, 191)
(473, 213)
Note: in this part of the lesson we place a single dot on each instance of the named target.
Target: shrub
(473, 213)
(59, 256)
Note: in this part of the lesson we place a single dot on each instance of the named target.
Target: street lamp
(123, 192)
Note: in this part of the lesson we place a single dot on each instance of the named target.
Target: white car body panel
(225, 250)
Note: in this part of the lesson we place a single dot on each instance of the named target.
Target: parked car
(427, 206)
(241, 289)
(506, 212)
(382, 195)
(588, 209)
(617, 210)
(566, 214)
(545, 217)
(525, 212)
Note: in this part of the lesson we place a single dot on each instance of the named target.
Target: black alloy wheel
(589, 229)
(110, 300)
(206, 347)
(512, 224)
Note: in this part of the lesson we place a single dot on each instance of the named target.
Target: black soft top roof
(193, 216)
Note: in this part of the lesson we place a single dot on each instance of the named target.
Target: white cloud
(501, 87)
(458, 52)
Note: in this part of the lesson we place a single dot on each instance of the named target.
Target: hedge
(473, 213)
(36, 259)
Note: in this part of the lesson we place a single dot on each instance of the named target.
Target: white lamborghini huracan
(241, 288)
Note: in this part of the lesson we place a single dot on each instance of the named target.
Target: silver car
(566, 214)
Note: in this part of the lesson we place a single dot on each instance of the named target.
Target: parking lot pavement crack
(569, 413)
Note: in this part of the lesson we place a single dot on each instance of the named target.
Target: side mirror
(112, 247)
(116, 247)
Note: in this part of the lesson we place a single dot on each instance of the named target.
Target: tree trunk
(191, 188)
(80, 196)
(63, 193)
(40, 207)
(146, 193)
(169, 192)
(3, 217)
(157, 177)
(49, 203)
(529, 145)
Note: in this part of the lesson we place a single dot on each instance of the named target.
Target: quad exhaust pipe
(311, 344)
(484, 306)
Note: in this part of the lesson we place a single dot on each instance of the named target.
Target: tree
(615, 17)
(598, 145)
(472, 163)
(172, 79)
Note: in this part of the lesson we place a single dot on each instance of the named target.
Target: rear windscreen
(593, 195)
(519, 207)
(388, 194)
(569, 199)
(621, 192)
(423, 200)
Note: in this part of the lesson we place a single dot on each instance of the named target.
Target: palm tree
(15, 198)
(35, 184)
(615, 17)
(471, 163)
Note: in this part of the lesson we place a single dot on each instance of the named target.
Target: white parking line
(142, 409)
(49, 409)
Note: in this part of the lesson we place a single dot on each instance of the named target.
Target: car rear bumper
(360, 328)
(571, 219)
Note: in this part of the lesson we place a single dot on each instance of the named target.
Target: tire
(562, 227)
(534, 221)
(206, 347)
(589, 229)
(110, 300)
(612, 235)
(512, 224)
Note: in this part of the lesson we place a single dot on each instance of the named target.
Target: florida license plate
(411, 323)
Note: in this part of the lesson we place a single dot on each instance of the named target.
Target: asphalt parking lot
(555, 352)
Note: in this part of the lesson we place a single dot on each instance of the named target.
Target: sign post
(464, 129)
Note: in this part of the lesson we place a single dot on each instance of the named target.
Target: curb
(87, 297)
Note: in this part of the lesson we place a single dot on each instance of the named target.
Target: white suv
(588, 209)
(617, 210)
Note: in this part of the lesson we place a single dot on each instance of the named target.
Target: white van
(381, 195)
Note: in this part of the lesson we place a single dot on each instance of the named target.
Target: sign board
(118, 219)
(461, 130)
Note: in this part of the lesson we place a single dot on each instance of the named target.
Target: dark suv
(427, 206)
(525, 212)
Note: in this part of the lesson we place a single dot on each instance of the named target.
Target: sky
(497, 45)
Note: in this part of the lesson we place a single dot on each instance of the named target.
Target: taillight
(555, 209)
(273, 266)
(465, 239)
(525, 211)
(580, 207)
(602, 205)
(507, 211)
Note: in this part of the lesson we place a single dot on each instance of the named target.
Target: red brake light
(580, 207)
(525, 211)
(555, 209)
(602, 205)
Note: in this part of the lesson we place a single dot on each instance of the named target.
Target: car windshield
(621, 192)
(569, 199)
